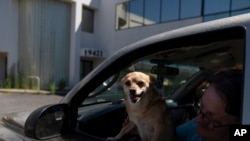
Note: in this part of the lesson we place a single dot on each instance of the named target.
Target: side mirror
(47, 121)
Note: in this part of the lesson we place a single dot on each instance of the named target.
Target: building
(62, 40)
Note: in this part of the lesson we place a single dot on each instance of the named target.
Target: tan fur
(148, 113)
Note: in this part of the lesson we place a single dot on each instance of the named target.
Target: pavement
(17, 101)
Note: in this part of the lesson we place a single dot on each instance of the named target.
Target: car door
(206, 48)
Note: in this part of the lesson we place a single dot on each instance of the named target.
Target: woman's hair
(229, 84)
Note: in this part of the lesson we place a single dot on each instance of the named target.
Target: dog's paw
(111, 139)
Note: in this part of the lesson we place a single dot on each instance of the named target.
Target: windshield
(170, 76)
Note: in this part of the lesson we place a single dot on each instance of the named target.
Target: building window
(136, 13)
(152, 12)
(215, 6)
(238, 12)
(87, 20)
(122, 16)
(170, 10)
(190, 8)
(215, 16)
(240, 4)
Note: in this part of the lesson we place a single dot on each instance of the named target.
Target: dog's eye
(127, 83)
(140, 84)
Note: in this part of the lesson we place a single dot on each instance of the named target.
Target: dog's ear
(124, 78)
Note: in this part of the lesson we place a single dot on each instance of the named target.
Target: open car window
(174, 67)
(170, 76)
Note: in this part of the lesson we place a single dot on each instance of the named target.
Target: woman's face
(212, 116)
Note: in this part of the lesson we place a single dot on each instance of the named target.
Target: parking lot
(16, 102)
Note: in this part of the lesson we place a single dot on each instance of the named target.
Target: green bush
(52, 87)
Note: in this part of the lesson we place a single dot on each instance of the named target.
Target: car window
(172, 68)
(170, 76)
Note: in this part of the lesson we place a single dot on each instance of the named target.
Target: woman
(218, 109)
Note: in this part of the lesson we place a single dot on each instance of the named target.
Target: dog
(146, 109)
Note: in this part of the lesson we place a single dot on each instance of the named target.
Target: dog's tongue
(134, 98)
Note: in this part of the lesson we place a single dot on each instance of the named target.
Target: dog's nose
(133, 92)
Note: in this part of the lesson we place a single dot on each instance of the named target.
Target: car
(181, 60)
